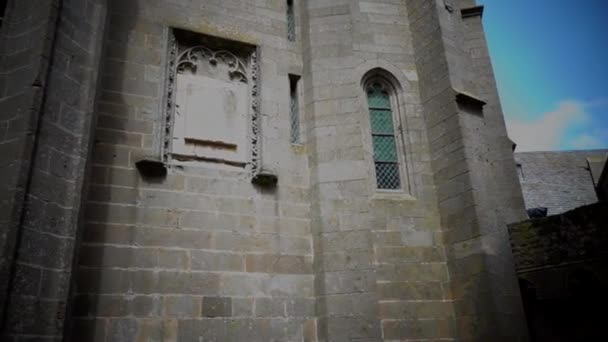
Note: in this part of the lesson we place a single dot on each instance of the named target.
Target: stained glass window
(386, 160)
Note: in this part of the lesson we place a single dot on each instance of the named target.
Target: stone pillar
(54, 162)
(345, 279)
(23, 70)
(478, 191)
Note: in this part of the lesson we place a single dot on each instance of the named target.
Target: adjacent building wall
(561, 262)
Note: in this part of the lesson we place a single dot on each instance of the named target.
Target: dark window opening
(3, 4)
(294, 109)
(291, 22)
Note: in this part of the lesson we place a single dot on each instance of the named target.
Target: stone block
(27, 280)
(109, 306)
(348, 260)
(188, 283)
(344, 241)
(217, 307)
(269, 307)
(146, 306)
(173, 259)
(286, 285)
(416, 310)
(349, 282)
(410, 254)
(155, 329)
(417, 329)
(53, 284)
(283, 264)
(354, 328)
(181, 306)
(205, 329)
(124, 329)
(407, 271)
(242, 307)
(252, 285)
(411, 290)
(352, 304)
(216, 261)
(92, 280)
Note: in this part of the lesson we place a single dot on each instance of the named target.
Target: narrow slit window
(294, 109)
(386, 160)
(3, 4)
(291, 22)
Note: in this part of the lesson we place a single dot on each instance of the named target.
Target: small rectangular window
(294, 109)
(291, 22)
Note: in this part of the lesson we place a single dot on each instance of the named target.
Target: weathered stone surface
(217, 307)
(575, 236)
(203, 254)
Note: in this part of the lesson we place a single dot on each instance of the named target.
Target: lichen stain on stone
(299, 149)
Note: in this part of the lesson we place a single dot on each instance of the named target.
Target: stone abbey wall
(201, 253)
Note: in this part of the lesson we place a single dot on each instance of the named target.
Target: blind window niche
(294, 109)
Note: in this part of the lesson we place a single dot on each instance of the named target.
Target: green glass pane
(384, 148)
(377, 98)
(382, 121)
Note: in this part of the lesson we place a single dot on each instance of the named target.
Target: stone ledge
(472, 12)
(467, 100)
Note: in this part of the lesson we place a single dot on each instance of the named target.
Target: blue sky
(550, 59)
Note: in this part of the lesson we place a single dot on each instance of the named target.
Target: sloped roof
(560, 180)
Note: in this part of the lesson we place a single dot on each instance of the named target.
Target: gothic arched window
(386, 158)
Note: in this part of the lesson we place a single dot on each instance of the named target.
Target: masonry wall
(381, 266)
(561, 261)
(576, 236)
(201, 254)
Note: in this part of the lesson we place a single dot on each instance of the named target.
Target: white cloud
(586, 141)
(546, 132)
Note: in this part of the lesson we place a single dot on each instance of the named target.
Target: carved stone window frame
(402, 138)
(246, 71)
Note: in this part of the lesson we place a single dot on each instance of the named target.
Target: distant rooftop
(561, 180)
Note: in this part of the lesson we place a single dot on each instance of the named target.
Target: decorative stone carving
(190, 57)
(168, 118)
(255, 125)
(184, 63)
(448, 5)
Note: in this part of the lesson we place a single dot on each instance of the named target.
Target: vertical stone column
(46, 231)
(478, 191)
(23, 67)
(345, 277)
